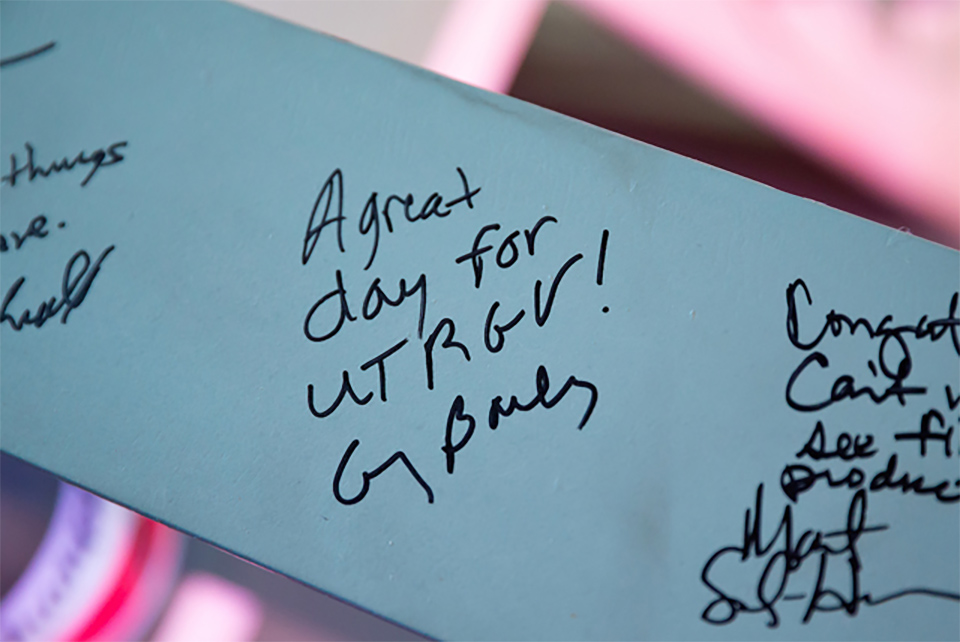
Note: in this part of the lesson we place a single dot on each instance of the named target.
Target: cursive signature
(78, 276)
(782, 554)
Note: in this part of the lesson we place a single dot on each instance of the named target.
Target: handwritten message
(862, 464)
(491, 247)
(30, 170)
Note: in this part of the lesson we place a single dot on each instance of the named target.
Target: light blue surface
(179, 386)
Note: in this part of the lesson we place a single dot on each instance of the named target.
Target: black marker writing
(601, 260)
(952, 401)
(540, 399)
(332, 189)
(78, 277)
(373, 303)
(381, 368)
(847, 447)
(35, 229)
(448, 342)
(10, 60)
(781, 557)
(541, 315)
(345, 389)
(499, 330)
(844, 387)
(98, 159)
(376, 472)
(799, 478)
(507, 254)
(928, 433)
(332, 197)
(457, 413)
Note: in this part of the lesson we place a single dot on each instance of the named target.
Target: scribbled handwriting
(35, 229)
(848, 463)
(78, 277)
(776, 559)
(443, 348)
(33, 169)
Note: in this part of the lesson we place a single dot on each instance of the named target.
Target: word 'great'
(332, 193)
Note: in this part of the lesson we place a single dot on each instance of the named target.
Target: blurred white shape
(483, 42)
(73, 571)
(100, 573)
(206, 608)
(402, 29)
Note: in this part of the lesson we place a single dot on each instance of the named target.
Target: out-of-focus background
(854, 104)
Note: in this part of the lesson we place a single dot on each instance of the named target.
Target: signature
(78, 276)
(458, 413)
(782, 554)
